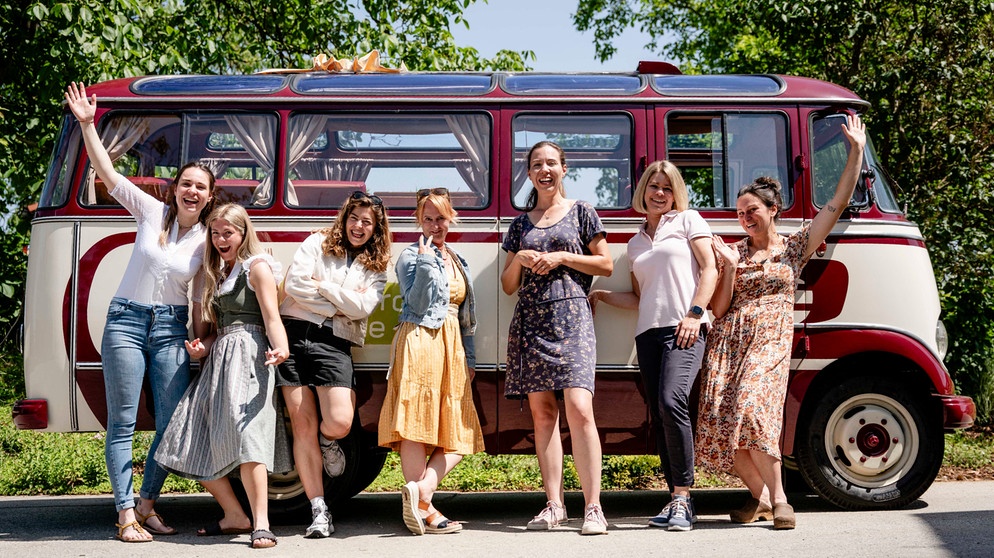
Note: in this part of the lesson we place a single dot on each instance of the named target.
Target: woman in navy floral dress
(553, 252)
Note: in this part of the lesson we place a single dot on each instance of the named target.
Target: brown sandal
(783, 516)
(138, 529)
(143, 521)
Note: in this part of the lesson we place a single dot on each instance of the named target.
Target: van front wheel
(870, 443)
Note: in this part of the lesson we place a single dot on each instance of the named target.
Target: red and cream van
(869, 397)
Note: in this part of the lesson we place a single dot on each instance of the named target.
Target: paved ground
(953, 519)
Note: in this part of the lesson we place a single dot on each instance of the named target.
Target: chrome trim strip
(73, 310)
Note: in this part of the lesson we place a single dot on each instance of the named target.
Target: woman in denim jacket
(428, 413)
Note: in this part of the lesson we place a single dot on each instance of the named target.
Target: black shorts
(317, 357)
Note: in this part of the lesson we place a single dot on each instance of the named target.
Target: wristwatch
(696, 311)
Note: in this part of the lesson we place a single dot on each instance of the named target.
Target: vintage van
(869, 397)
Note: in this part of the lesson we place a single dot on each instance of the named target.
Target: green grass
(49, 463)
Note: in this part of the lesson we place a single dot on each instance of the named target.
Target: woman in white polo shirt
(673, 277)
(146, 321)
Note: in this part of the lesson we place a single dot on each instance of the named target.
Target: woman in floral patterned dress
(553, 252)
(747, 363)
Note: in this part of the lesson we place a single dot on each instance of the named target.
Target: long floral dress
(551, 344)
(747, 361)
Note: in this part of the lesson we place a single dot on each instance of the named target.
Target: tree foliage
(48, 43)
(926, 66)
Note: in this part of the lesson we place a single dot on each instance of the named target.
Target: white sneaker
(321, 526)
(594, 522)
(550, 517)
(332, 456)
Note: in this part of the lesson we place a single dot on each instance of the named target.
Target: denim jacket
(424, 286)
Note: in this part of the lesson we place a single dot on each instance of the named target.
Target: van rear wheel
(871, 443)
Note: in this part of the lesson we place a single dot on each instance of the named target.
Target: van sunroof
(392, 84)
(717, 85)
(208, 85)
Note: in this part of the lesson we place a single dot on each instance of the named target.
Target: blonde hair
(374, 255)
(237, 217)
(681, 199)
(173, 211)
(441, 203)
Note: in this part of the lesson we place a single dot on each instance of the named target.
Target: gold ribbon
(368, 64)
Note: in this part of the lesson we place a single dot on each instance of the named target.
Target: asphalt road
(953, 519)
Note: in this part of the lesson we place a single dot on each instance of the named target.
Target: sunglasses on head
(433, 191)
(360, 195)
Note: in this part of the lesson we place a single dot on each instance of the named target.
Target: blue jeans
(669, 373)
(139, 339)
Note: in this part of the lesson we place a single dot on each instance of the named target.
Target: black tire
(897, 432)
(288, 504)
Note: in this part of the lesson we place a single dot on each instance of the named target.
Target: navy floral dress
(551, 344)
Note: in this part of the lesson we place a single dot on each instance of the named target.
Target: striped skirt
(228, 414)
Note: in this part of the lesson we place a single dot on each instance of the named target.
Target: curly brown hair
(374, 255)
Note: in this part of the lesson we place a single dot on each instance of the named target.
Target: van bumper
(30, 414)
(958, 411)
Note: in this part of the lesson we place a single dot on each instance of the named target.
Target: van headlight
(941, 340)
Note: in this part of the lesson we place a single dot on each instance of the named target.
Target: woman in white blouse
(147, 320)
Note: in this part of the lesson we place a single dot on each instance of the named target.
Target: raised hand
(855, 131)
(82, 108)
(727, 252)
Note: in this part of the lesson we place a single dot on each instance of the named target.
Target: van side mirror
(862, 197)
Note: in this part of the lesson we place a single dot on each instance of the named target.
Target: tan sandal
(143, 521)
(783, 516)
(752, 511)
(435, 522)
(138, 529)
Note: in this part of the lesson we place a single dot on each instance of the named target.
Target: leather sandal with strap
(138, 529)
(143, 521)
(435, 522)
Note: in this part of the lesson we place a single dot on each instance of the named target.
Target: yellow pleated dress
(429, 396)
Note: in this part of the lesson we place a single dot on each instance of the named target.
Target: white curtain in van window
(120, 135)
(304, 129)
(257, 133)
(473, 133)
(217, 165)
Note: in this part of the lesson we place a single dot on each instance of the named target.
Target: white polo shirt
(157, 274)
(666, 269)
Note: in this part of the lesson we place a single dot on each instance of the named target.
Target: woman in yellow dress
(428, 413)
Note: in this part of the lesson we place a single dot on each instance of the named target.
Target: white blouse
(157, 274)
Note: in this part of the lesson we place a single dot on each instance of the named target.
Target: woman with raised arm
(428, 414)
(553, 251)
(747, 362)
(227, 417)
(335, 282)
(147, 319)
(673, 278)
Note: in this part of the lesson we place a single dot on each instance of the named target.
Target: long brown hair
(374, 255)
(533, 196)
(235, 215)
(171, 200)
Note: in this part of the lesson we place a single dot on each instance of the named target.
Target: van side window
(829, 152)
(598, 156)
(390, 155)
(55, 192)
(719, 153)
(239, 148)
